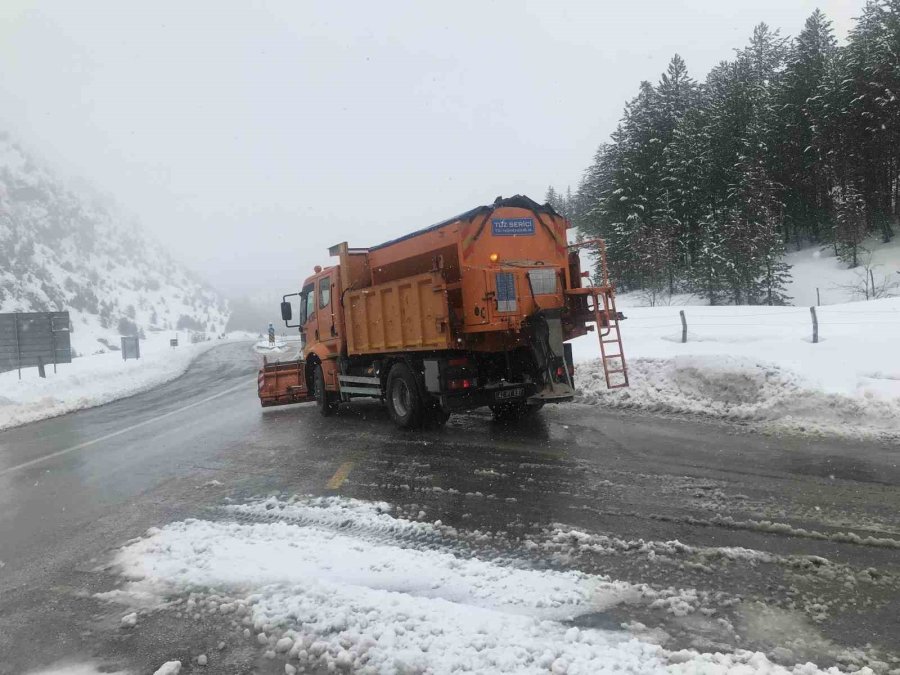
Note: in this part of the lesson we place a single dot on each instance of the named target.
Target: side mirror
(286, 312)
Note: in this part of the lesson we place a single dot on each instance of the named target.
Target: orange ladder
(611, 336)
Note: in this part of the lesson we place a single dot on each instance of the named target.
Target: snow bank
(759, 364)
(284, 349)
(70, 668)
(338, 602)
(94, 380)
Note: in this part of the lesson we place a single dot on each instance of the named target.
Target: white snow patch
(76, 668)
(169, 668)
(335, 601)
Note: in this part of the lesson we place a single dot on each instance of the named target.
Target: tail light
(458, 385)
(560, 372)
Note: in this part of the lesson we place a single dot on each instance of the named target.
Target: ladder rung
(609, 357)
(606, 342)
(610, 372)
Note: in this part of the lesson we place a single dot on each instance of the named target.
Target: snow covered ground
(759, 364)
(96, 379)
(818, 268)
(343, 585)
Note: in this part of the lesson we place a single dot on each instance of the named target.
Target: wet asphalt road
(793, 544)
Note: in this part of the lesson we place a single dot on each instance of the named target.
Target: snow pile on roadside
(333, 601)
(283, 349)
(94, 380)
(759, 364)
(71, 668)
(265, 347)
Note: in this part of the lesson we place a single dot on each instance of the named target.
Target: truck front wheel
(324, 401)
(404, 402)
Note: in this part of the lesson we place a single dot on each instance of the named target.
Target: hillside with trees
(704, 186)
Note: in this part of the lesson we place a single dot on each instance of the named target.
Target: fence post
(872, 277)
(815, 320)
(41, 367)
(18, 346)
(818, 299)
(683, 326)
(52, 341)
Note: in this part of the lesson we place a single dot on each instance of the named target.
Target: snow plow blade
(283, 383)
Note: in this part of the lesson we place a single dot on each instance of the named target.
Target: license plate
(509, 393)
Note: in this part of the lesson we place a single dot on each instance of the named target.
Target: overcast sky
(250, 136)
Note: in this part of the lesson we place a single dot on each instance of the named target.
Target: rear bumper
(486, 396)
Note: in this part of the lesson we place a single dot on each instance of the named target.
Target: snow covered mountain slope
(67, 250)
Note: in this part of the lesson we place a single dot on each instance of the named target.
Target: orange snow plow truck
(473, 311)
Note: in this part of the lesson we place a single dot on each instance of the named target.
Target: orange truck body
(479, 287)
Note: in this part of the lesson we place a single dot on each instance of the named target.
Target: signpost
(131, 348)
(34, 339)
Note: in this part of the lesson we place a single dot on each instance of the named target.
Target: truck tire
(404, 402)
(324, 400)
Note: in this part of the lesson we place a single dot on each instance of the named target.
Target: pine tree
(849, 222)
(874, 110)
(799, 163)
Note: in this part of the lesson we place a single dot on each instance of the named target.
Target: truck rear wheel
(324, 401)
(404, 402)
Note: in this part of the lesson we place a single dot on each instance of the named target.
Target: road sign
(131, 348)
(29, 339)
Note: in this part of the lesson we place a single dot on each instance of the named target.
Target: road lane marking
(339, 476)
(86, 444)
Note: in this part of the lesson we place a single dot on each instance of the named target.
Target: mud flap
(544, 332)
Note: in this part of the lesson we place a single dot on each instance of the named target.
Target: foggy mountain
(64, 248)
(254, 312)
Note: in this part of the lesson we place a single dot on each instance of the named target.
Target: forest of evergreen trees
(704, 185)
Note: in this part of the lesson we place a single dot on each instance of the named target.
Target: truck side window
(309, 310)
(324, 292)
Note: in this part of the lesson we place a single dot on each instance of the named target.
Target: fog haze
(248, 137)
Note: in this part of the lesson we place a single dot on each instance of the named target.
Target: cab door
(325, 308)
(309, 320)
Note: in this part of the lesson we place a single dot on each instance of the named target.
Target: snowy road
(682, 534)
